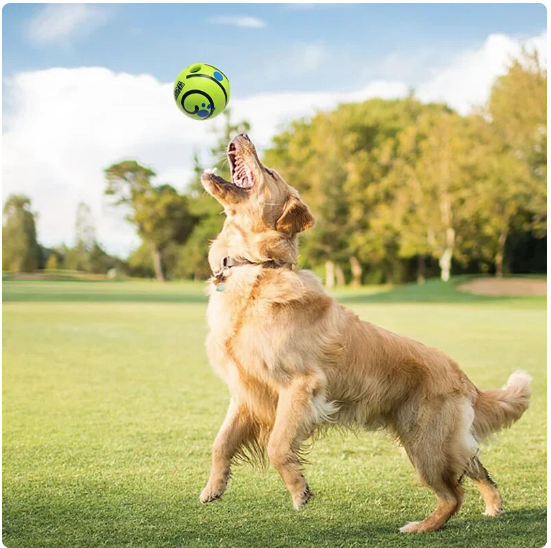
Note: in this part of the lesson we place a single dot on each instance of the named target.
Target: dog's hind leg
(439, 449)
(449, 493)
(296, 413)
(487, 488)
(236, 430)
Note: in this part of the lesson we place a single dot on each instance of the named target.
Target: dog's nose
(241, 141)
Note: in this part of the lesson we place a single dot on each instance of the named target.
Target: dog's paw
(211, 493)
(493, 511)
(299, 501)
(411, 527)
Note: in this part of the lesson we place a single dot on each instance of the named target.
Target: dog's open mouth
(241, 174)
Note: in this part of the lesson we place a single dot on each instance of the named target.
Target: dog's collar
(228, 263)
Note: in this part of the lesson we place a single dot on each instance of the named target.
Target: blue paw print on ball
(204, 112)
(218, 76)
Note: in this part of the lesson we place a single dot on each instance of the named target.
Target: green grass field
(110, 408)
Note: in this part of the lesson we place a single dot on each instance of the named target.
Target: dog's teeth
(241, 174)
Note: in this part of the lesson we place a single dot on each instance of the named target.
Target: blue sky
(347, 41)
(87, 85)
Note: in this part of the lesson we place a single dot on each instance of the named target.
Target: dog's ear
(296, 217)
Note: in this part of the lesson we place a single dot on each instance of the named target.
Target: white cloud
(239, 21)
(467, 81)
(62, 22)
(57, 143)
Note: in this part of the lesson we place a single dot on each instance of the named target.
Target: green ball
(202, 91)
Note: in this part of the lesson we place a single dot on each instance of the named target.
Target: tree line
(401, 185)
(401, 190)
(21, 251)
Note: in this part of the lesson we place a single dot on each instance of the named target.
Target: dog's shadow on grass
(516, 529)
(140, 520)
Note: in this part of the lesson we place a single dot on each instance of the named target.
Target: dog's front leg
(296, 414)
(235, 429)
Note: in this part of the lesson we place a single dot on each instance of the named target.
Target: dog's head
(257, 198)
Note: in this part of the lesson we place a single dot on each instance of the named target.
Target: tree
(87, 254)
(46, 252)
(160, 214)
(373, 239)
(502, 192)
(78, 257)
(140, 262)
(20, 249)
(517, 152)
(52, 263)
(398, 184)
(422, 206)
(432, 177)
(99, 261)
(85, 230)
(311, 156)
(337, 161)
(193, 262)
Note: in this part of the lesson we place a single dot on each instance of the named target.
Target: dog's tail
(497, 409)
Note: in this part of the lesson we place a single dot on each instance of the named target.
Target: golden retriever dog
(297, 362)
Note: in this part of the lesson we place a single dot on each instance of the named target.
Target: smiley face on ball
(201, 91)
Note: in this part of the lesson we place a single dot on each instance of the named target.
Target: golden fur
(296, 361)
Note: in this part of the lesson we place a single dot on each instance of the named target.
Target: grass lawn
(110, 408)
